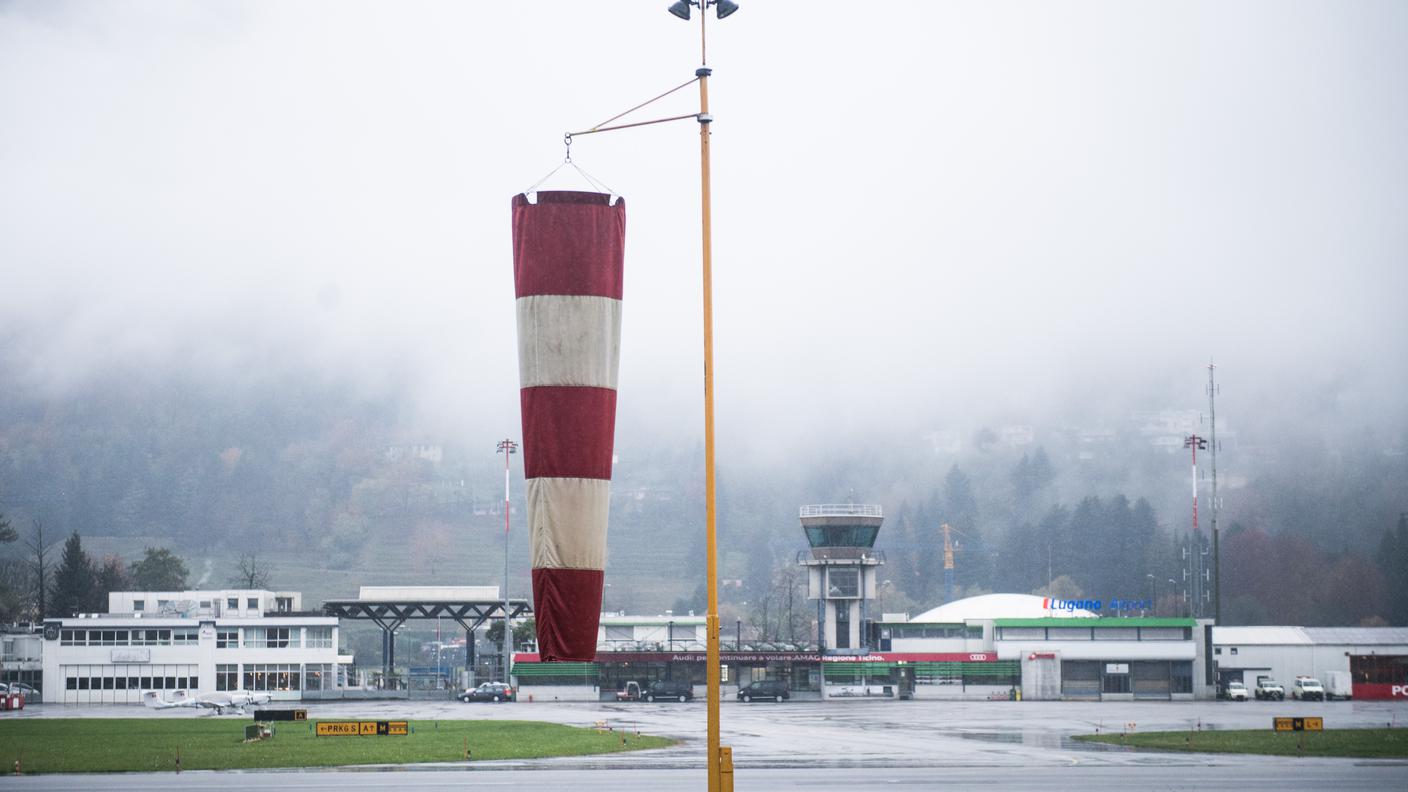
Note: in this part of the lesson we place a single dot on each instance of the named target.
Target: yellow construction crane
(948, 562)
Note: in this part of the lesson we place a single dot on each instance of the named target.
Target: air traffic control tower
(841, 568)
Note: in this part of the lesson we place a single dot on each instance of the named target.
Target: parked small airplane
(234, 700)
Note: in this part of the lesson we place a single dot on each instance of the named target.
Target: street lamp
(507, 448)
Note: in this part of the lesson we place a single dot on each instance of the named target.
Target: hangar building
(1373, 660)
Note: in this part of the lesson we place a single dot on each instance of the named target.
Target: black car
(763, 690)
(489, 691)
(664, 689)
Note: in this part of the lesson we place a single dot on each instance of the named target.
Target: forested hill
(335, 490)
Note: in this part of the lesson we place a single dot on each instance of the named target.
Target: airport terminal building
(235, 639)
(989, 647)
(996, 646)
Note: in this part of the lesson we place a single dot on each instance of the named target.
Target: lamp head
(723, 8)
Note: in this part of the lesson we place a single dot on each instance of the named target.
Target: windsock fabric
(568, 252)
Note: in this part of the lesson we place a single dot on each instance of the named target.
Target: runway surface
(829, 745)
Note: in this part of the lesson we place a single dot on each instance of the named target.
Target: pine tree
(1393, 562)
(110, 577)
(74, 581)
(7, 534)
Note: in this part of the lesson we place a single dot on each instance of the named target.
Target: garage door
(1150, 679)
(1080, 679)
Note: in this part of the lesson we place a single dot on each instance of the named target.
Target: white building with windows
(197, 641)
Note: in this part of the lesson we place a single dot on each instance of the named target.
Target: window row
(130, 677)
(180, 636)
(225, 637)
(272, 676)
(935, 631)
(275, 676)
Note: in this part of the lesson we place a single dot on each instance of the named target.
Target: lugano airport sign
(1096, 605)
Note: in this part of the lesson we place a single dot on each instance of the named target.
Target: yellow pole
(710, 512)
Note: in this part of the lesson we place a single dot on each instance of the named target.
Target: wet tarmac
(851, 745)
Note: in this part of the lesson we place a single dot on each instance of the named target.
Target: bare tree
(779, 614)
(250, 573)
(39, 568)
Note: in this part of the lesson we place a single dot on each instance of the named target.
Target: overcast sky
(926, 213)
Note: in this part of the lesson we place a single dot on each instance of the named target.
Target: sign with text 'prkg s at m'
(361, 728)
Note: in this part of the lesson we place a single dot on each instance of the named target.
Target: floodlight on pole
(719, 758)
(723, 8)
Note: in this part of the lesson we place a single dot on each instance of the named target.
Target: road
(833, 745)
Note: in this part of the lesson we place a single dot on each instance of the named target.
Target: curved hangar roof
(996, 606)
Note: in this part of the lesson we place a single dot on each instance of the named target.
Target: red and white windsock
(568, 251)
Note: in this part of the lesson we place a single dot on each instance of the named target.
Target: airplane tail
(180, 698)
(153, 700)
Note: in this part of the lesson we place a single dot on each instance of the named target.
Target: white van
(1307, 689)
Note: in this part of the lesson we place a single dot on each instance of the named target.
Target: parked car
(1307, 689)
(663, 690)
(660, 689)
(764, 689)
(1268, 689)
(489, 691)
(1234, 691)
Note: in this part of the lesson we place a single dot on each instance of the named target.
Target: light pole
(508, 448)
(719, 759)
(715, 757)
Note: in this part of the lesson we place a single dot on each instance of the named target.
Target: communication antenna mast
(1212, 503)
(1197, 582)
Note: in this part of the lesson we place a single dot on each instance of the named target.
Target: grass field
(58, 745)
(1364, 743)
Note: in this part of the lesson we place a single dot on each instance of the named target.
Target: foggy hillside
(336, 491)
